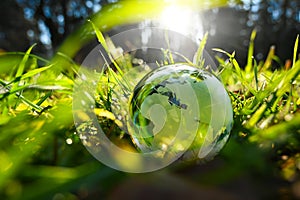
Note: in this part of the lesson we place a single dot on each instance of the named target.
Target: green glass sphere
(180, 108)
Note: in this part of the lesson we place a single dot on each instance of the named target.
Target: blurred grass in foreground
(41, 153)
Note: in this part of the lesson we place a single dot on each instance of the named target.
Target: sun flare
(182, 20)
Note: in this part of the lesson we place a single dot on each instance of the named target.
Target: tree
(42, 21)
(274, 21)
(15, 30)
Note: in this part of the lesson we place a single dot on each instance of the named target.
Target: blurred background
(48, 23)
(62, 168)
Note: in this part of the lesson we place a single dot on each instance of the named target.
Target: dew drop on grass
(69, 141)
(179, 101)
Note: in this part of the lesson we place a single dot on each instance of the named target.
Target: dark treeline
(277, 23)
(48, 23)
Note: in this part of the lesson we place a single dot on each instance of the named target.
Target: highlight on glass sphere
(148, 102)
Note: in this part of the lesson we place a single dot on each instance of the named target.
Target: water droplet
(69, 141)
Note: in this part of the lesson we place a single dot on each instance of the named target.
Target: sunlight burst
(182, 20)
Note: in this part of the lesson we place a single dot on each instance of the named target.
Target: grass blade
(199, 54)
(249, 65)
(295, 51)
(233, 61)
(269, 59)
(21, 67)
(102, 41)
(168, 45)
(35, 71)
(100, 36)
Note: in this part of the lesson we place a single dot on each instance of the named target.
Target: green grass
(36, 125)
(36, 121)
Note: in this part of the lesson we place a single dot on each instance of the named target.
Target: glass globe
(174, 103)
